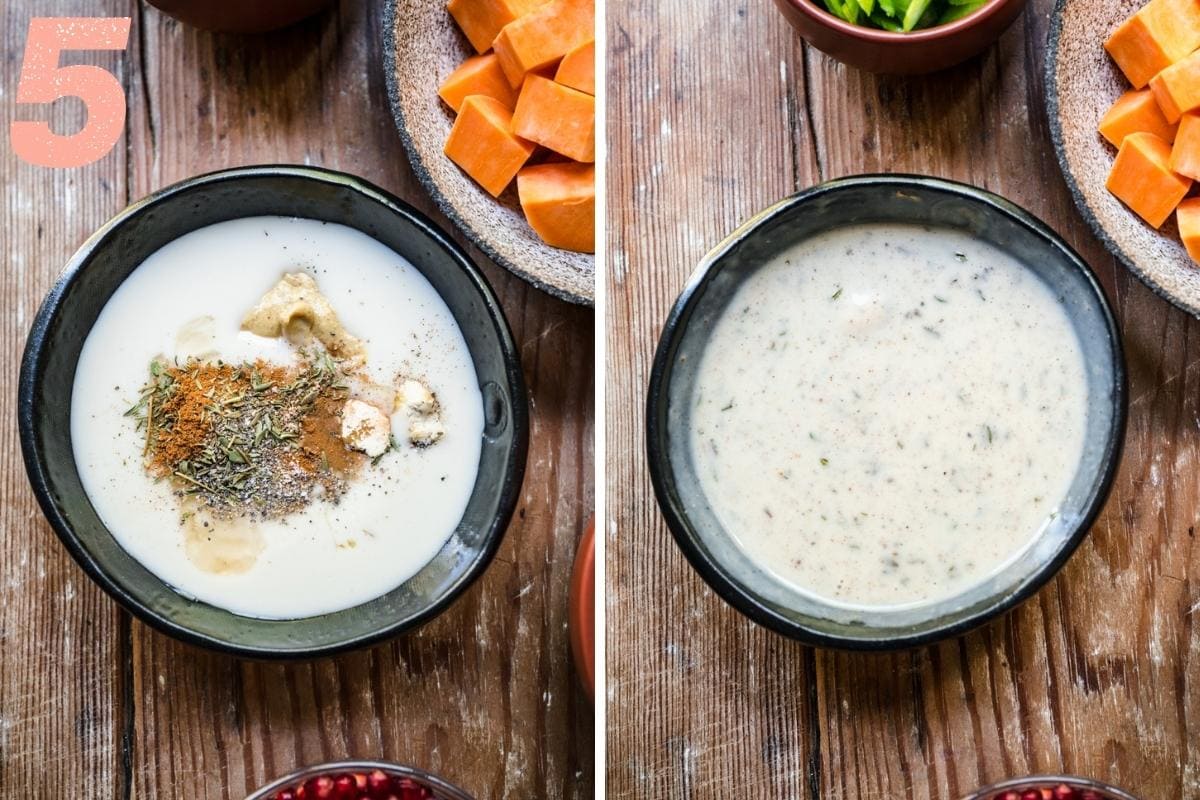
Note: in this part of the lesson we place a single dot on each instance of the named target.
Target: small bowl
(99, 267)
(1082, 82)
(915, 53)
(422, 46)
(441, 789)
(239, 16)
(582, 607)
(1101, 790)
(772, 602)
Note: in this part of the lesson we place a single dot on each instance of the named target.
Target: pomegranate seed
(345, 787)
(1063, 792)
(379, 785)
(285, 794)
(319, 788)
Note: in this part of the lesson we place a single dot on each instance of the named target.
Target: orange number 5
(44, 81)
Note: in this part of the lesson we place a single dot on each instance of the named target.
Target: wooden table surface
(716, 111)
(94, 705)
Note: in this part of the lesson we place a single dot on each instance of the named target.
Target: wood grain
(717, 110)
(485, 695)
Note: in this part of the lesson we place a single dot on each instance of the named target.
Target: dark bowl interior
(767, 599)
(110, 255)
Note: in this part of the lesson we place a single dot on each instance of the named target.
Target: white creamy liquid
(394, 517)
(888, 414)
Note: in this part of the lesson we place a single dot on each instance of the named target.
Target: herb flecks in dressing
(923, 393)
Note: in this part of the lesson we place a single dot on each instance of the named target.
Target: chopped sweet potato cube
(558, 117)
(1142, 179)
(1177, 88)
(1136, 112)
(559, 201)
(482, 20)
(578, 68)
(483, 144)
(478, 75)
(1161, 33)
(1185, 155)
(1188, 217)
(545, 35)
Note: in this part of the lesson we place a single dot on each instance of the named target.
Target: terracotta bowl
(582, 615)
(1081, 83)
(240, 16)
(913, 53)
(422, 45)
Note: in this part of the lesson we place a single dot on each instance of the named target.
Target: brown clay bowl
(422, 45)
(582, 616)
(240, 16)
(915, 53)
(1082, 82)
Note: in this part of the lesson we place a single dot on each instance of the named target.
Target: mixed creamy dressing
(188, 299)
(887, 414)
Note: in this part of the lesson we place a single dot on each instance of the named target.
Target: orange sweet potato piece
(478, 75)
(1177, 88)
(1161, 33)
(1185, 155)
(559, 201)
(482, 20)
(1136, 112)
(578, 68)
(545, 35)
(1188, 217)
(1142, 179)
(558, 117)
(483, 145)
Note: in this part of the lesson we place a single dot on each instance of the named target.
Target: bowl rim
(449, 790)
(1032, 781)
(1054, 118)
(477, 237)
(662, 475)
(32, 368)
(822, 16)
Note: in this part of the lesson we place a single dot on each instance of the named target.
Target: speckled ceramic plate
(1082, 83)
(422, 46)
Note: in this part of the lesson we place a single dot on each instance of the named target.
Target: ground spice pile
(256, 439)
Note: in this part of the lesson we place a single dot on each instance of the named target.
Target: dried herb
(245, 438)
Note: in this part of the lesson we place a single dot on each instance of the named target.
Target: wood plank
(62, 641)
(700, 702)
(1097, 674)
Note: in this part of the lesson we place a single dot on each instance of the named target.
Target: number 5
(44, 81)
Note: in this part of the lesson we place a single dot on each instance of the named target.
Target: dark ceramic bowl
(927, 50)
(113, 252)
(440, 788)
(1098, 790)
(240, 16)
(902, 199)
